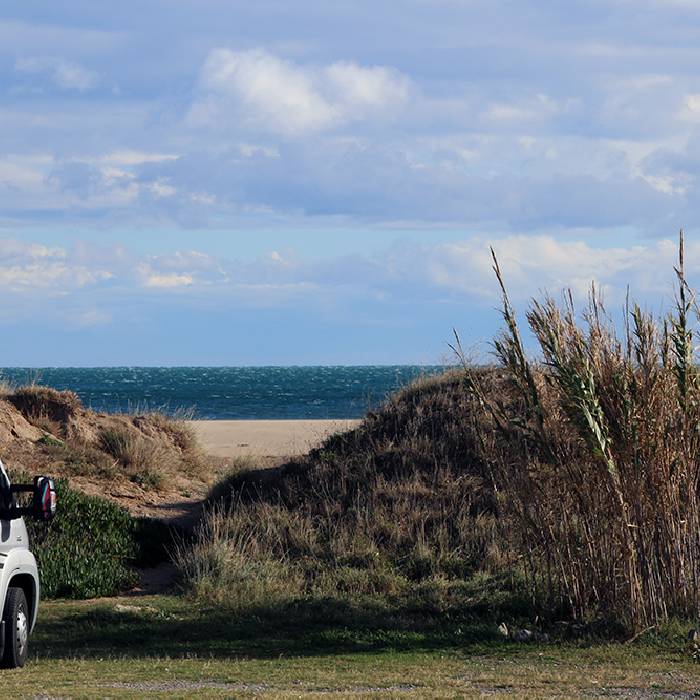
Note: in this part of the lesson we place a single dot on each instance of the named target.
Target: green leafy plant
(87, 550)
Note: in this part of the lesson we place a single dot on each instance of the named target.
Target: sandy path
(265, 438)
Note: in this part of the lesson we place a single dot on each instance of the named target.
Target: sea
(228, 392)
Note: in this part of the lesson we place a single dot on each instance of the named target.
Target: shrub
(175, 433)
(401, 499)
(86, 550)
(43, 403)
(125, 445)
(229, 561)
(176, 426)
(143, 458)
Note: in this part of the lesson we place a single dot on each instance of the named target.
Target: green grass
(163, 646)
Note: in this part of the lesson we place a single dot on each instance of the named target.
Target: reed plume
(595, 453)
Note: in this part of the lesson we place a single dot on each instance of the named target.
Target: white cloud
(686, 4)
(181, 269)
(532, 264)
(28, 252)
(268, 88)
(691, 108)
(523, 101)
(115, 179)
(289, 98)
(276, 257)
(167, 281)
(187, 260)
(252, 150)
(90, 318)
(161, 188)
(537, 108)
(203, 198)
(459, 270)
(131, 157)
(65, 75)
(28, 267)
(23, 171)
(676, 184)
(359, 89)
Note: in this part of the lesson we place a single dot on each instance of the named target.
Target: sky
(201, 182)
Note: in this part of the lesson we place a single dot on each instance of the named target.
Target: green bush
(86, 551)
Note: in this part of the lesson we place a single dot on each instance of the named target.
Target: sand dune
(265, 438)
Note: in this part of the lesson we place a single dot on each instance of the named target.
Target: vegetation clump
(379, 511)
(44, 403)
(596, 457)
(576, 472)
(46, 429)
(88, 550)
(139, 456)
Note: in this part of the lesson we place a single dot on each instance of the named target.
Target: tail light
(44, 499)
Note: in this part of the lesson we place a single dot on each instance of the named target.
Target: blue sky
(207, 182)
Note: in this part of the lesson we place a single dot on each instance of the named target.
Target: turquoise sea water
(228, 392)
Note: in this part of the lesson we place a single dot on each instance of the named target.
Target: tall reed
(595, 454)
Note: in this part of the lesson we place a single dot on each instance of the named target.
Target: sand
(265, 438)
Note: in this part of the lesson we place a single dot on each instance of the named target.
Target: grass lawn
(163, 646)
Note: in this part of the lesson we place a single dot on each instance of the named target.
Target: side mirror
(44, 498)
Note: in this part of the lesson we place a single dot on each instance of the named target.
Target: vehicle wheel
(16, 618)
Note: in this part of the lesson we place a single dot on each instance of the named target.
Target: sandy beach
(265, 438)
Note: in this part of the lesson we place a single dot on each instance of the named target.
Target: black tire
(16, 619)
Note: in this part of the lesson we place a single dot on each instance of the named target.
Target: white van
(19, 577)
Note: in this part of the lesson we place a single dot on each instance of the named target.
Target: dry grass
(153, 447)
(40, 403)
(6, 388)
(175, 431)
(399, 501)
(143, 459)
(232, 560)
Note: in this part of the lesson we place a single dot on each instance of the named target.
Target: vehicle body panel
(17, 563)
